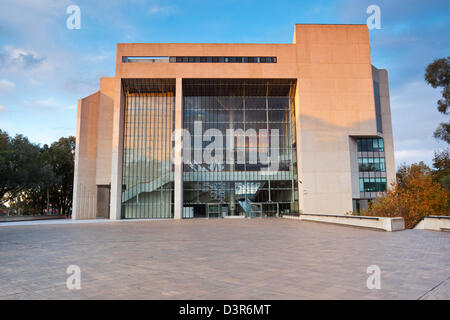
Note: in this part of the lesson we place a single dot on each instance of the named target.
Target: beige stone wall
(354, 167)
(381, 76)
(85, 190)
(335, 101)
(104, 129)
(437, 223)
(117, 151)
(93, 149)
(379, 223)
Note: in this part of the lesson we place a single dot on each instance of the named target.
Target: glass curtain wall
(372, 166)
(147, 171)
(240, 187)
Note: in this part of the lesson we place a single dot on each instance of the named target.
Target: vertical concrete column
(76, 188)
(117, 152)
(178, 156)
(85, 189)
(388, 135)
(298, 128)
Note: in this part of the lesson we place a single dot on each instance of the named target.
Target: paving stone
(221, 259)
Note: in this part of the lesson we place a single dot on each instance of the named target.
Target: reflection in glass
(241, 188)
(147, 174)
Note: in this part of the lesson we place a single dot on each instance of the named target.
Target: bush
(414, 196)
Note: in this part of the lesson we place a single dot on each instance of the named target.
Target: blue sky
(45, 67)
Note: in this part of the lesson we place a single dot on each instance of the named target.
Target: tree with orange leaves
(414, 196)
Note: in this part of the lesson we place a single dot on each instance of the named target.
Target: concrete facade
(334, 105)
(436, 223)
(376, 223)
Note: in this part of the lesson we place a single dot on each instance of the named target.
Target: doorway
(103, 196)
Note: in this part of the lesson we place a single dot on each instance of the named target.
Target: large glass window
(371, 162)
(378, 118)
(249, 108)
(147, 171)
(215, 59)
(372, 184)
(370, 145)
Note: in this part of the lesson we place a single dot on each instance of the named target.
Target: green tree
(19, 166)
(37, 198)
(437, 74)
(33, 178)
(60, 156)
(441, 163)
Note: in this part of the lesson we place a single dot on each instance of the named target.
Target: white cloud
(416, 93)
(162, 10)
(11, 58)
(409, 156)
(49, 102)
(6, 85)
(414, 119)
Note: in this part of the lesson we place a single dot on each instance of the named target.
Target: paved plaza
(221, 259)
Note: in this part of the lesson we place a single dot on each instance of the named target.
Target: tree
(61, 158)
(414, 196)
(443, 132)
(34, 178)
(437, 74)
(441, 163)
(36, 198)
(19, 166)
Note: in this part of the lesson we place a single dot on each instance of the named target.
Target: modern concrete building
(269, 129)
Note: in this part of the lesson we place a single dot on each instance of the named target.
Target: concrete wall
(437, 223)
(335, 101)
(381, 76)
(354, 167)
(377, 223)
(117, 151)
(85, 191)
(93, 149)
(105, 127)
